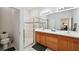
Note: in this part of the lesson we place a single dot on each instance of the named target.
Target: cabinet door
(51, 42)
(42, 38)
(70, 45)
(62, 44)
(76, 46)
(37, 37)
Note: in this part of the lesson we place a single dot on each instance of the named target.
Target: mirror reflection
(66, 20)
(64, 23)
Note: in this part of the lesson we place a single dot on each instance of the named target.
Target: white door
(28, 34)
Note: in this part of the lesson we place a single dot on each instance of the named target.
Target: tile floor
(29, 48)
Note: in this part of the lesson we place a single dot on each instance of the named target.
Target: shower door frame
(33, 33)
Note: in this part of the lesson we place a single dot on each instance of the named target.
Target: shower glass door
(28, 33)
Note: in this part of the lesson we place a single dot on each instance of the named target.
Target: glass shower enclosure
(29, 27)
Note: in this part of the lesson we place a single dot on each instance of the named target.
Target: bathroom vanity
(58, 40)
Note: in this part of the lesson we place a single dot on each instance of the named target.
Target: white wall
(21, 28)
(26, 15)
(6, 21)
(16, 27)
(0, 20)
(9, 20)
(34, 12)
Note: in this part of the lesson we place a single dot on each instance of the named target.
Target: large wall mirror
(65, 20)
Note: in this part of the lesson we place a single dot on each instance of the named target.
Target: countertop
(73, 34)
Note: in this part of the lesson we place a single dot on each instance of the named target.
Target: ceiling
(30, 8)
(26, 8)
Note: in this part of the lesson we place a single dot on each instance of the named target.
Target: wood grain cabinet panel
(76, 45)
(70, 45)
(42, 38)
(51, 42)
(62, 45)
(73, 44)
(37, 37)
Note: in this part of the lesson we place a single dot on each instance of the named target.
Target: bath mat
(39, 47)
(10, 49)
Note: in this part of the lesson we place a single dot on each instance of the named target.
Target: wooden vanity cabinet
(57, 42)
